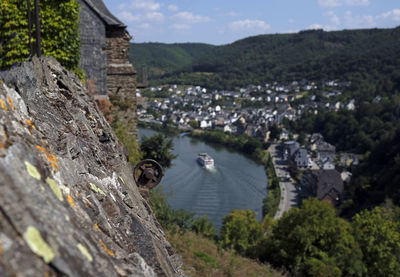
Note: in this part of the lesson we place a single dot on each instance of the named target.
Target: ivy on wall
(59, 32)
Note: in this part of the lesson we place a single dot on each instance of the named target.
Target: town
(306, 167)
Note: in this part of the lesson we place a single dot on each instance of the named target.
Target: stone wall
(121, 79)
(92, 31)
(68, 203)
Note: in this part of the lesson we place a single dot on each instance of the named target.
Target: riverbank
(272, 201)
(250, 147)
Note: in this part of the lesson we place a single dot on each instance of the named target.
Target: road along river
(236, 182)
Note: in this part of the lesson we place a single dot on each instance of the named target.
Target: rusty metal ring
(148, 173)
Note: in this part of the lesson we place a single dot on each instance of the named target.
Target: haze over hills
(355, 55)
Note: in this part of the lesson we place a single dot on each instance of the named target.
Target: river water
(235, 182)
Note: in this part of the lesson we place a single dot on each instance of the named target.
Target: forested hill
(161, 58)
(357, 55)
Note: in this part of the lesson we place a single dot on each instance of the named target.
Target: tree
(241, 230)
(194, 124)
(169, 218)
(275, 131)
(59, 32)
(159, 148)
(202, 225)
(379, 238)
(313, 241)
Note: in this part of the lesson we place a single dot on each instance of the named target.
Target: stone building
(104, 58)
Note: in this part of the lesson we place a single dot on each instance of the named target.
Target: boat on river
(205, 160)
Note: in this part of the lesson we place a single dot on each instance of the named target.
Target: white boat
(205, 160)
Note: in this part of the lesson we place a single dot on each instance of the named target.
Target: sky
(225, 21)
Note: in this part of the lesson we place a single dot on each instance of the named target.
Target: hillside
(356, 55)
(160, 58)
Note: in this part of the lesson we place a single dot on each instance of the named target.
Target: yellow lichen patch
(32, 170)
(3, 105)
(109, 252)
(2, 146)
(10, 102)
(55, 188)
(38, 245)
(50, 156)
(70, 201)
(85, 252)
(96, 189)
(96, 227)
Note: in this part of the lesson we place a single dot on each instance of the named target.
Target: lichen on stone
(3, 105)
(96, 189)
(32, 170)
(38, 245)
(85, 252)
(109, 252)
(70, 201)
(10, 102)
(55, 188)
(51, 158)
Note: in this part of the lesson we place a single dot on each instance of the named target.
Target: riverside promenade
(288, 190)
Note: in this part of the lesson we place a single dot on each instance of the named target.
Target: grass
(203, 258)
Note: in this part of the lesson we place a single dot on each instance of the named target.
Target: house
(327, 164)
(105, 46)
(300, 157)
(291, 147)
(325, 150)
(205, 124)
(351, 105)
(324, 184)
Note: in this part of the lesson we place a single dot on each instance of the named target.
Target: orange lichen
(96, 227)
(109, 252)
(1, 249)
(30, 124)
(3, 105)
(70, 201)
(50, 156)
(9, 100)
(2, 146)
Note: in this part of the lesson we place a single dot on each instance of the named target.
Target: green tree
(379, 238)
(241, 231)
(59, 32)
(169, 218)
(313, 241)
(159, 148)
(202, 225)
(194, 124)
(275, 131)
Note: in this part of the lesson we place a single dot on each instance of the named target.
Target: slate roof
(101, 10)
(330, 184)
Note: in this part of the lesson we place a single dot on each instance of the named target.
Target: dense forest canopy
(369, 58)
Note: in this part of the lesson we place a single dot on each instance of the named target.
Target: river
(236, 182)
